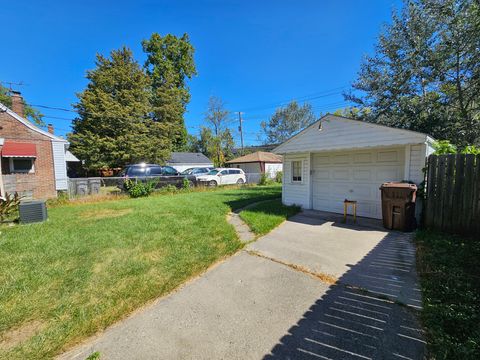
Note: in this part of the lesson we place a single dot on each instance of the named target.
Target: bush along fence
(453, 194)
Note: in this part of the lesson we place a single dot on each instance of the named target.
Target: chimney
(50, 128)
(17, 103)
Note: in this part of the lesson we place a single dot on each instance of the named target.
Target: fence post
(457, 193)
(449, 184)
(430, 198)
(468, 192)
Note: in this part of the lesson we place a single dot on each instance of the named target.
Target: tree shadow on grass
(365, 315)
(237, 204)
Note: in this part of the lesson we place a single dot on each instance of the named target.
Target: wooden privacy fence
(453, 194)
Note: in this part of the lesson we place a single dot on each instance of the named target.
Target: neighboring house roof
(254, 148)
(28, 124)
(332, 132)
(188, 158)
(259, 156)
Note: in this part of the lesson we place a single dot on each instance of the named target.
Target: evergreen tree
(169, 64)
(425, 73)
(113, 127)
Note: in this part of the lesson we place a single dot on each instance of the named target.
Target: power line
(57, 117)
(318, 95)
(51, 107)
(313, 96)
(322, 107)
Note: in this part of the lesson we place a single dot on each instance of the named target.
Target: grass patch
(449, 270)
(91, 264)
(264, 217)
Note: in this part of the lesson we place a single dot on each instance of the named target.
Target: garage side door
(354, 176)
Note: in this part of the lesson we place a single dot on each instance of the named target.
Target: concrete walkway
(276, 300)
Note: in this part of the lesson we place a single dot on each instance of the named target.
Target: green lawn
(449, 269)
(91, 264)
(265, 216)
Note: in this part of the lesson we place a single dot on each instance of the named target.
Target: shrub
(138, 188)
(187, 184)
(279, 176)
(169, 189)
(266, 180)
(9, 207)
(443, 147)
(61, 199)
(263, 179)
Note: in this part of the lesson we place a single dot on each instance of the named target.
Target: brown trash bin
(398, 205)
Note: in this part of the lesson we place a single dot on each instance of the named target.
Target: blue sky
(252, 54)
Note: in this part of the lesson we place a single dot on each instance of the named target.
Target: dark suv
(163, 175)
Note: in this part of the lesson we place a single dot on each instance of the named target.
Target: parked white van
(223, 176)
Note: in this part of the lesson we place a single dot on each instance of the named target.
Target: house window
(296, 171)
(21, 165)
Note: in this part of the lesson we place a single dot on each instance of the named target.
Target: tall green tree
(113, 127)
(286, 121)
(215, 139)
(425, 72)
(169, 65)
(30, 113)
(216, 118)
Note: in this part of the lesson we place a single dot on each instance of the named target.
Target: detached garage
(337, 158)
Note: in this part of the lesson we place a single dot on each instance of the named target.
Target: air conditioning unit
(32, 211)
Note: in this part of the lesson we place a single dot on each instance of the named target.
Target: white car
(222, 176)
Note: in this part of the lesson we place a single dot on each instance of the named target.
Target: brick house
(33, 161)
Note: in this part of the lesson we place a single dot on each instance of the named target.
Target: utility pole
(240, 128)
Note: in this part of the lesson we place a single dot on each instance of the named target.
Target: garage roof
(259, 156)
(333, 132)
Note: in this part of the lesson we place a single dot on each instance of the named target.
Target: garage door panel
(362, 192)
(387, 173)
(321, 160)
(341, 159)
(363, 158)
(327, 205)
(322, 188)
(387, 156)
(321, 174)
(367, 209)
(341, 174)
(364, 174)
(354, 176)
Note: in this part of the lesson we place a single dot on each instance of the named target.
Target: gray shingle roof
(188, 158)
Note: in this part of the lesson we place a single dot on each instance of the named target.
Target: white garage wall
(296, 193)
(417, 163)
(272, 169)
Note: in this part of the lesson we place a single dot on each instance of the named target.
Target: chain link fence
(78, 187)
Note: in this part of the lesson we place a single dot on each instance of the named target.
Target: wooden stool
(346, 203)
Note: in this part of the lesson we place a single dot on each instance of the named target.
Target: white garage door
(354, 175)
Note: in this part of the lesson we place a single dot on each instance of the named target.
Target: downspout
(2, 188)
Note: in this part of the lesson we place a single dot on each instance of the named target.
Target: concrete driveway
(277, 299)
